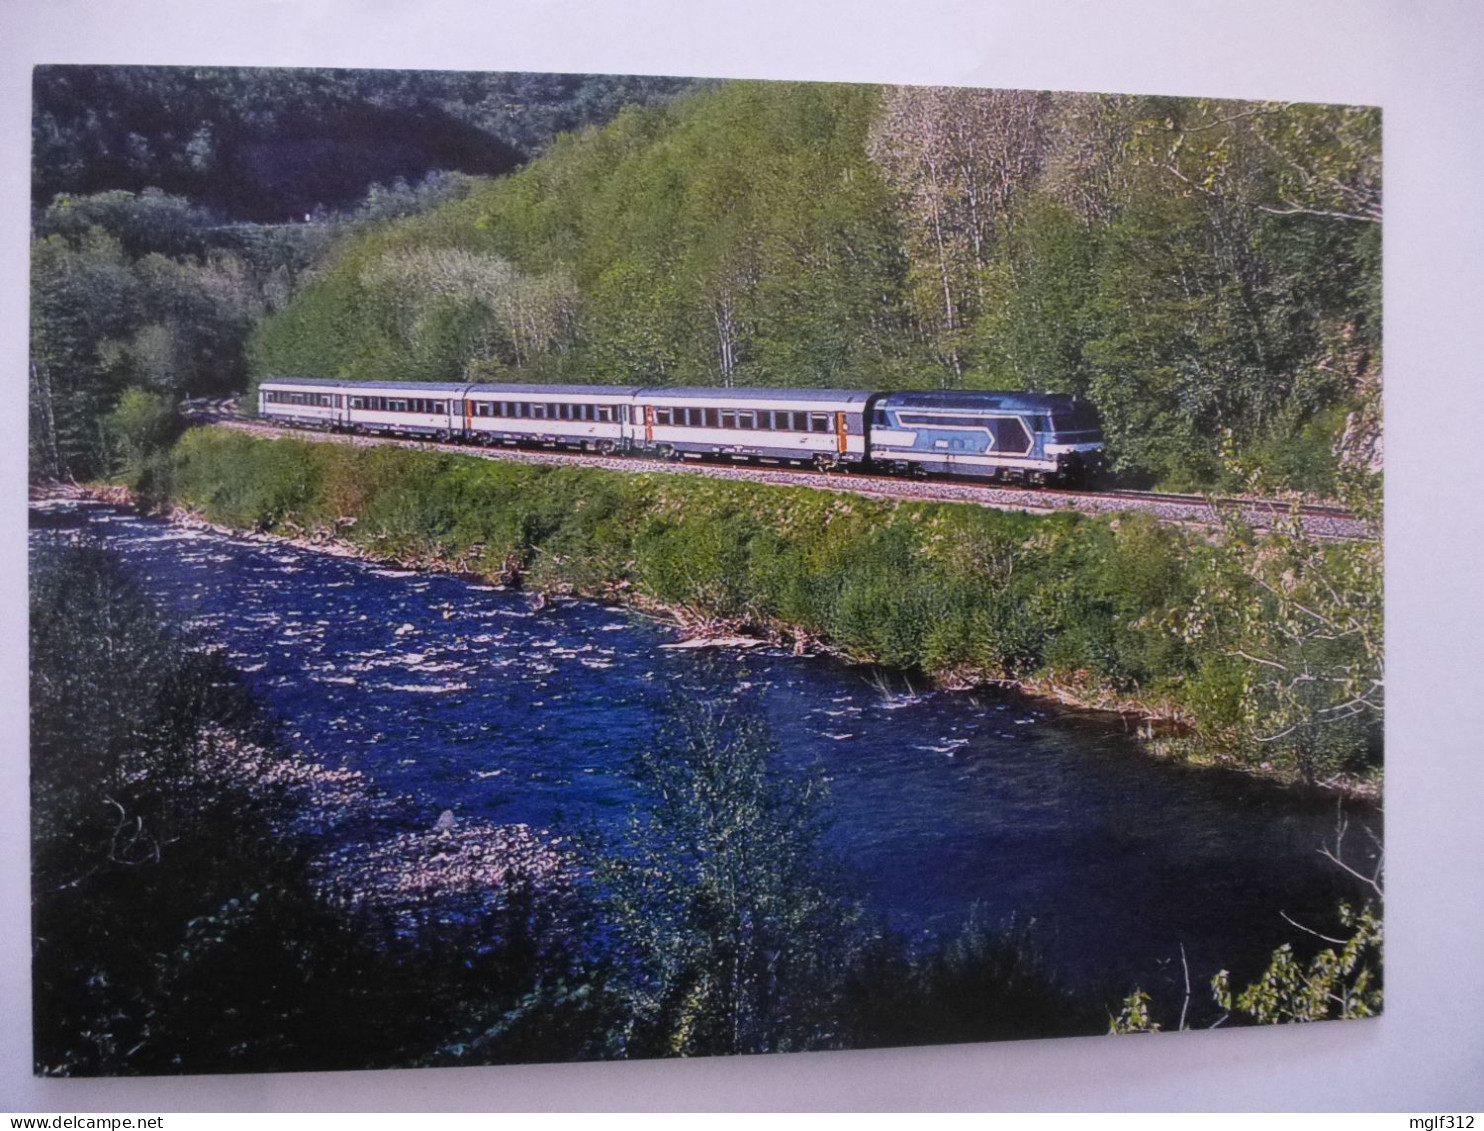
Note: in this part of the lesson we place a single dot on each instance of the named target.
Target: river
(463, 697)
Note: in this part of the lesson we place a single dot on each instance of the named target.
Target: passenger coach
(422, 408)
(825, 427)
(594, 417)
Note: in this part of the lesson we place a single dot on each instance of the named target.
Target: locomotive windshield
(1078, 418)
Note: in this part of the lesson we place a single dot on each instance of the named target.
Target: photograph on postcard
(535, 567)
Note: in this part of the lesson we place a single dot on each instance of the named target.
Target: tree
(730, 941)
(1303, 620)
(144, 425)
(958, 158)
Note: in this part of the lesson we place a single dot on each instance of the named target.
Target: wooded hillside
(1207, 273)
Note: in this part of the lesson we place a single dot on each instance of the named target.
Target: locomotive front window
(1078, 418)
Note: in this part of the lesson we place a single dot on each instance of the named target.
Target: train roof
(561, 390)
(756, 393)
(978, 399)
(408, 387)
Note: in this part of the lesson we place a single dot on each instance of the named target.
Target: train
(1013, 437)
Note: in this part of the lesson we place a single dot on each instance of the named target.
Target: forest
(1206, 273)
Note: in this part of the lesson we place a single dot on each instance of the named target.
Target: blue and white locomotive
(1014, 437)
(1025, 437)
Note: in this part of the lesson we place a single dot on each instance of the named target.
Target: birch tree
(958, 159)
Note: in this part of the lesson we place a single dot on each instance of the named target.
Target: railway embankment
(1198, 511)
(1253, 650)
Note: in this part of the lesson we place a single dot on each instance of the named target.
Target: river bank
(1111, 614)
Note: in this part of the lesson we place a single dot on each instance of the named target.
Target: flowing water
(461, 696)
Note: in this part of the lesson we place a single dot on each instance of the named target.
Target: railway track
(1318, 520)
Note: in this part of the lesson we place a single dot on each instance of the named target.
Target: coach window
(819, 422)
(663, 415)
(603, 413)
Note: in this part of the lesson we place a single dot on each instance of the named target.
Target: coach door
(841, 434)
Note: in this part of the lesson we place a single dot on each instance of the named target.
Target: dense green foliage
(272, 145)
(152, 294)
(159, 195)
(142, 292)
(1100, 611)
(1206, 273)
